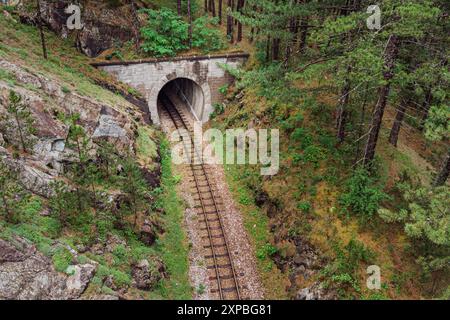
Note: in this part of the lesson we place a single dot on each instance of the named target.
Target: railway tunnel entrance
(189, 95)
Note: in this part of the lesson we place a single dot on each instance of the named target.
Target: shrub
(342, 271)
(267, 250)
(304, 206)
(363, 195)
(205, 38)
(303, 136)
(62, 259)
(165, 33)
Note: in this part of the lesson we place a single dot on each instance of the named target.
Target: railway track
(208, 205)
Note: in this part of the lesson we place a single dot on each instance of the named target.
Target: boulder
(108, 127)
(27, 274)
(148, 233)
(314, 292)
(146, 275)
(113, 241)
(80, 276)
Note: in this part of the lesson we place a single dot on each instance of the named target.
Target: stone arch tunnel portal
(195, 79)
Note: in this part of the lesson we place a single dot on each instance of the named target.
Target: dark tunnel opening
(188, 92)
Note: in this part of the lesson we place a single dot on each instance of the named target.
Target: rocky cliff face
(46, 99)
(26, 274)
(103, 24)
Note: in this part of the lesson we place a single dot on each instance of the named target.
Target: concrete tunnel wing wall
(151, 75)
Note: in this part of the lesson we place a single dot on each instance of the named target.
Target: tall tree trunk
(361, 125)
(241, 4)
(268, 49)
(178, 7)
(41, 30)
(190, 23)
(220, 11)
(342, 113)
(426, 107)
(292, 30)
(393, 137)
(443, 174)
(19, 128)
(213, 7)
(303, 34)
(383, 94)
(276, 49)
(230, 21)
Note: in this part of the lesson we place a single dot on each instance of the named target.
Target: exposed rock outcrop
(103, 24)
(147, 275)
(25, 273)
(315, 292)
(47, 100)
(80, 277)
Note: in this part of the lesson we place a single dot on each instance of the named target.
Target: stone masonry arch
(149, 76)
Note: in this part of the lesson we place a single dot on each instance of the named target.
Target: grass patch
(173, 245)
(65, 63)
(147, 149)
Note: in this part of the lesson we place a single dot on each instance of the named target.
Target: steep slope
(70, 214)
(300, 227)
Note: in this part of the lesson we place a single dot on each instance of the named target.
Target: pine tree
(134, 187)
(23, 124)
(82, 172)
(11, 193)
(64, 203)
(426, 217)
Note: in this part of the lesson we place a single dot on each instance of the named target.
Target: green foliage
(63, 204)
(363, 195)
(271, 82)
(135, 187)
(291, 123)
(266, 251)
(342, 271)
(312, 154)
(121, 255)
(7, 76)
(427, 215)
(437, 126)
(426, 218)
(62, 259)
(204, 37)
(303, 136)
(173, 245)
(219, 109)
(304, 206)
(165, 33)
(224, 89)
